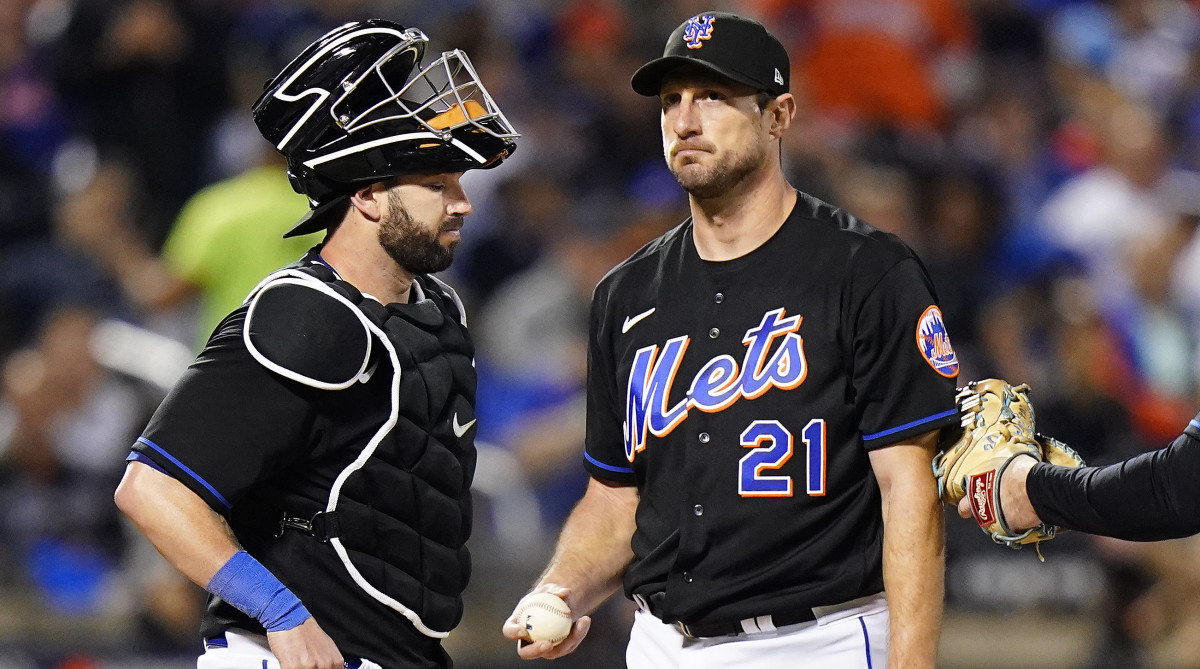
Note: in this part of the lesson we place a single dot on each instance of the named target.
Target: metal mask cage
(442, 97)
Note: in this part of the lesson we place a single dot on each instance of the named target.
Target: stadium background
(1040, 155)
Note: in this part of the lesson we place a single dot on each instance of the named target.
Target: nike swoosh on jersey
(460, 430)
(631, 321)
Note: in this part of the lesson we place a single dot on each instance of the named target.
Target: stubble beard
(413, 246)
(716, 180)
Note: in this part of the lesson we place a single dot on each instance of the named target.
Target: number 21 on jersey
(773, 446)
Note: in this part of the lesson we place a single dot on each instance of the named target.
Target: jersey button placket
(703, 437)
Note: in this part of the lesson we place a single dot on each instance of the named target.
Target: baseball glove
(998, 426)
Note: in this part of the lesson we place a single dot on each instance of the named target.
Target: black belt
(776, 620)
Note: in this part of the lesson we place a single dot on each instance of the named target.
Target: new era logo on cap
(733, 46)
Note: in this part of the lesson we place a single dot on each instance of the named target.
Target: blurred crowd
(1042, 156)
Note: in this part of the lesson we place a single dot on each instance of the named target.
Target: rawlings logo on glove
(981, 501)
(998, 426)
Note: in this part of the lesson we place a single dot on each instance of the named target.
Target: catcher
(998, 439)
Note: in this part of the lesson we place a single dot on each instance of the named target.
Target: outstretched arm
(199, 543)
(913, 549)
(1150, 497)
(592, 553)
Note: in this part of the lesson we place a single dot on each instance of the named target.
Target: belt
(765, 623)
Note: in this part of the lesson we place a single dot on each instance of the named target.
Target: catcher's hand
(998, 426)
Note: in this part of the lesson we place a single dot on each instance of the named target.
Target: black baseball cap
(733, 46)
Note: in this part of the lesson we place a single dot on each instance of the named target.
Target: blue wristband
(251, 589)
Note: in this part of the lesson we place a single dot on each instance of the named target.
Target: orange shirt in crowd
(874, 60)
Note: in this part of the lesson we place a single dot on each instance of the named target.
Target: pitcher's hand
(529, 650)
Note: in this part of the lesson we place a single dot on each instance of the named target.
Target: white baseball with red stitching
(545, 617)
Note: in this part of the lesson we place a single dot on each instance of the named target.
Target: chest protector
(399, 514)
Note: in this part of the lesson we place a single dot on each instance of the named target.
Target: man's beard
(412, 246)
(716, 180)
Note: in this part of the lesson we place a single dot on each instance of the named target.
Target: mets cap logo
(699, 28)
(934, 343)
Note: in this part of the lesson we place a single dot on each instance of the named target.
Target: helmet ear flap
(299, 183)
(312, 185)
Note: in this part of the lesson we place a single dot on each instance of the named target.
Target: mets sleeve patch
(934, 343)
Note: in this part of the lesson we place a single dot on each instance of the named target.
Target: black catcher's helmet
(358, 106)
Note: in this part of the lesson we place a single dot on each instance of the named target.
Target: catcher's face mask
(358, 106)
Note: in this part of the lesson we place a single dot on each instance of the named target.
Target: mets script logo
(698, 28)
(934, 343)
(719, 383)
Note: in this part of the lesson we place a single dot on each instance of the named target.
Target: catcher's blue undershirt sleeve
(1150, 497)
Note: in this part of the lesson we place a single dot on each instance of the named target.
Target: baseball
(545, 617)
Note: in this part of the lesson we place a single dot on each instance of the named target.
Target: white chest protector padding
(305, 330)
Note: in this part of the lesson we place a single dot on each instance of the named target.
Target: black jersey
(388, 453)
(742, 398)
